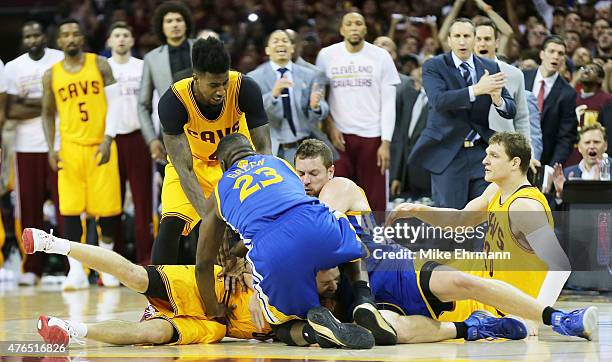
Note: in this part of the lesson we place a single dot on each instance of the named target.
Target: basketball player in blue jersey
(416, 300)
(290, 237)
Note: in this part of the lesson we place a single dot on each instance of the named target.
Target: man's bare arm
(342, 195)
(182, 159)
(105, 69)
(212, 229)
(261, 139)
(48, 117)
(474, 213)
(23, 108)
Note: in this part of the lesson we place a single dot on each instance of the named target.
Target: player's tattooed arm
(48, 118)
(182, 159)
(105, 69)
(261, 139)
(212, 229)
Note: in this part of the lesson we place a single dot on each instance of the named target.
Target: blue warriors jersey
(255, 191)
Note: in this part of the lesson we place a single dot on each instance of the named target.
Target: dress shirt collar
(550, 80)
(458, 61)
(276, 67)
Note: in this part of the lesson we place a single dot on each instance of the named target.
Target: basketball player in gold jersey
(79, 88)
(196, 113)
(413, 297)
(519, 222)
(176, 314)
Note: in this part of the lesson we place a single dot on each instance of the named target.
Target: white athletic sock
(61, 246)
(80, 329)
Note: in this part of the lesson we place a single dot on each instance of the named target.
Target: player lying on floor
(430, 290)
(178, 315)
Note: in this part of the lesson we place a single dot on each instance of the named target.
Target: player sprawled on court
(422, 298)
(290, 237)
(79, 89)
(176, 314)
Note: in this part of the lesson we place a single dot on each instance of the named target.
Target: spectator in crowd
(593, 104)
(362, 105)
(573, 22)
(36, 181)
(460, 88)
(134, 158)
(572, 42)
(485, 46)
(296, 41)
(581, 58)
(602, 9)
(163, 66)
(604, 44)
(292, 98)
(592, 145)
(536, 37)
(556, 102)
(598, 27)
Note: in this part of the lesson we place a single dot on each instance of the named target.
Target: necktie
(465, 72)
(541, 96)
(287, 103)
(467, 77)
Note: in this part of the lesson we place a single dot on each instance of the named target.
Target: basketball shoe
(482, 325)
(579, 323)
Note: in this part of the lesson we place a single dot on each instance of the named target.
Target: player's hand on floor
(256, 313)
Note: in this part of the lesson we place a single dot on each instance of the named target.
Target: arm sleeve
(251, 103)
(172, 114)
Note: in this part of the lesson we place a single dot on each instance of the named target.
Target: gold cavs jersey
(524, 269)
(80, 102)
(205, 134)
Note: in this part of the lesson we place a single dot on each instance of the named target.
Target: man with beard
(134, 159)
(78, 89)
(362, 95)
(36, 181)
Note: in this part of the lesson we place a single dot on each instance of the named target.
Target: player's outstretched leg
(58, 331)
(580, 322)
(330, 332)
(102, 260)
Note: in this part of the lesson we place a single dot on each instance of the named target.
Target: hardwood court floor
(21, 306)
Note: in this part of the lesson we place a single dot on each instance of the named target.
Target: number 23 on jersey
(248, 185)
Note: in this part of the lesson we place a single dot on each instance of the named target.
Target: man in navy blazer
(461, 88)
(556, 100)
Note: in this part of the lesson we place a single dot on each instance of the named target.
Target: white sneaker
(38, 240)
(109, 280)
(6, 275)
(75, 280)
(28, 279)
(57, 331)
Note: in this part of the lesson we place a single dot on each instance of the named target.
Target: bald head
(353, 29)
(387, 44)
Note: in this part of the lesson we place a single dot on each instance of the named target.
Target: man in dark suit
(411, 117)
(556, 100)
(460, 88)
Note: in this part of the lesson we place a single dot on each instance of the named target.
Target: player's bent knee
(157, 331)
